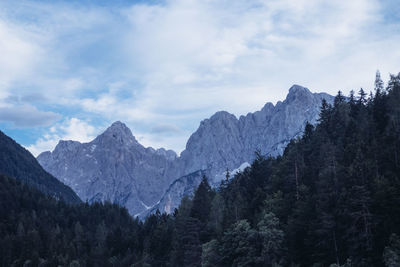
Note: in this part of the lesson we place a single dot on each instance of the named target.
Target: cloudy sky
(68, 69)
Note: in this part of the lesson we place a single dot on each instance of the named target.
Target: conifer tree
(272, 239)
(379, 86)
(391, 254)
(202, 201)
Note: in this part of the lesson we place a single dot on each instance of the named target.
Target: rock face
(113, 167)
(116, 167)
(183, 186)
(223, 141)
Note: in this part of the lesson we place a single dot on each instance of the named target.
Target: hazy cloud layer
(163, 67)
(165, 128)
(27, 116)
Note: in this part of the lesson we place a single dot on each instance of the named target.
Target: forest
(332, 199)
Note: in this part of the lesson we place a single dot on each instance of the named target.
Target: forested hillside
(37, 230)
(16, 161)
(332, 199)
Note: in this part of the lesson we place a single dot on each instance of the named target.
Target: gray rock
(113, 167)
(116, 167)
(225, 142)
(183, 186)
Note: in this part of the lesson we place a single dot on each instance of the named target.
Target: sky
(68, 69)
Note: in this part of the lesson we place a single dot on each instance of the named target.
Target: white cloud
(69, 129)
(200, 53)
(179, 61)
(18, 55)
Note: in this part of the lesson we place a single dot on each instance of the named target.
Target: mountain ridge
(138, 177)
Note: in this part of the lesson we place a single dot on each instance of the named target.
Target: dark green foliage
(17, 162)
(202, 201)
(38, 228)
(391, 254)
(272, 238)
(240, 246)
(331, 199)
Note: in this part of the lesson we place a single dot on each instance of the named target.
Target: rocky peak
(298, 92)
(66, 145)
(63, 148)
(168, 154)
(222, 115)
(268, 107)
(217, 124)
(117, 132)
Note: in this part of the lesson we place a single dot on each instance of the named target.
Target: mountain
(17, 162)
(223, 141)
(113, 167)
(116, 167)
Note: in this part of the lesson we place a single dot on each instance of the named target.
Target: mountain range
(116, 167)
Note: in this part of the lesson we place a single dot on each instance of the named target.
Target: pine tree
(217, 213)
(379, 86)
(362, 97)
(391, 254)
(191, 243)
(239, 246)
(272, 239)
(325, 113)
(339, 99)
(202, 201)
(210, 255)
(227, 175)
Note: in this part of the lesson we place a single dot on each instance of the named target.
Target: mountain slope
(16, 161)
(116, 167)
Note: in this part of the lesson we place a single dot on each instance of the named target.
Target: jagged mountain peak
(218, 117)
(118, 125)
(66, 145)
(114, 167)
(222, 115)
(268, 107)
(117, 132)
(298, 92)
(298, 89)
